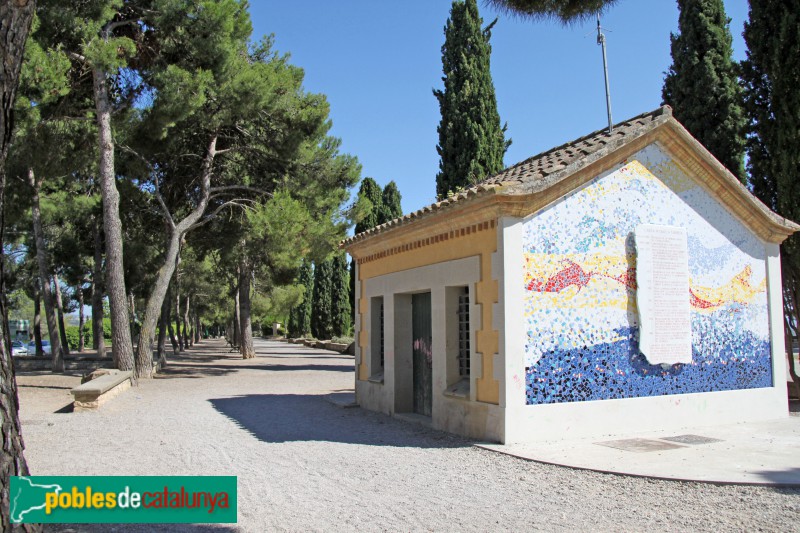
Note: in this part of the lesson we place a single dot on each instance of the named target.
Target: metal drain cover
(691, 439)
(639, 445)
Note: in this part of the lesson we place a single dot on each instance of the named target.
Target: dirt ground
(305, 464)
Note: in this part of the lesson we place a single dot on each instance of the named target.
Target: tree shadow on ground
(307, 355)
(47, 372)
(173, 371)
(28, 386)
(279, 418)
(267, 367)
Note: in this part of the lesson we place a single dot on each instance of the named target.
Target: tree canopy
(563, 10)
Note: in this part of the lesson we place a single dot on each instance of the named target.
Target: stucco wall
(579, 270)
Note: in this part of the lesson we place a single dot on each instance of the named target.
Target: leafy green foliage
(701, 84)
(73, 337)
(181, 74)
(471, 141)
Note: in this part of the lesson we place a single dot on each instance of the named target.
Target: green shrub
(266, 329)
(73, 337)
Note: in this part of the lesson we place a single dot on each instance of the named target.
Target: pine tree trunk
(44, 276)
(162, 333)
(155, 309)
(132, 318)
(81, 319)
(236, 325)
(37, 322)
(187, 334)
(171, 263)
(198, 336)
(15, 23)
(121, 344)
(98, 331)
(172, 339)
(246, 325)
(62, 331)
(181, 344)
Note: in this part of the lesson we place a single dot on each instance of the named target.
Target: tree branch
(111, 26)
(230, 203)
(247, 188)
(164, 209)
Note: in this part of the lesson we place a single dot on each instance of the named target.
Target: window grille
(463, 333)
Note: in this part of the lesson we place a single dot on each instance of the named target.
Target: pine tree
(471, 141)
(321, 317)
(340, 301)
(563, 10)
(701, 84)
(772, 101)
(390, 205)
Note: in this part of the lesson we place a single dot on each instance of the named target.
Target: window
(376, 339)
(458, 342)
(463, 333)
(382, 335)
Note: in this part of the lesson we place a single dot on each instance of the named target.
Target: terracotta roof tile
(533, 173)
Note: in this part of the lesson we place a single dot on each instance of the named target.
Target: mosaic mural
(580, 290)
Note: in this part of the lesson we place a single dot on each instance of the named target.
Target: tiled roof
(539, 171)
(539, 167)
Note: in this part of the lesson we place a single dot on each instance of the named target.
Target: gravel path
(304, 464)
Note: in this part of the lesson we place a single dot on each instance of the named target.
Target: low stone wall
(324, 345)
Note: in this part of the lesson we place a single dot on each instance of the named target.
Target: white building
(509, 312)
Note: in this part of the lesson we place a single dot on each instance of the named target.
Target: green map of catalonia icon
(27, 496)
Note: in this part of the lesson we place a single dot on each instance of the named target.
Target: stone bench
(91, 395)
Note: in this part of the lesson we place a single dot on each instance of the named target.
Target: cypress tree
(771, 74)
(371, 199)
(293, 327)
(371, 191)
(701, 84)
(340, 301)
(471, 141)
(390, 206)
(300, 316)
(321, 318)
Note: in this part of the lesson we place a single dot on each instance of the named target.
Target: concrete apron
(758, 453)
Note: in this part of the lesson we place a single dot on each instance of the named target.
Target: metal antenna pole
(601, 40)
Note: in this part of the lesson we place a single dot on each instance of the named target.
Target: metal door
(423, 355)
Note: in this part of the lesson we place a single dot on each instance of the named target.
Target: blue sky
(378, 61)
